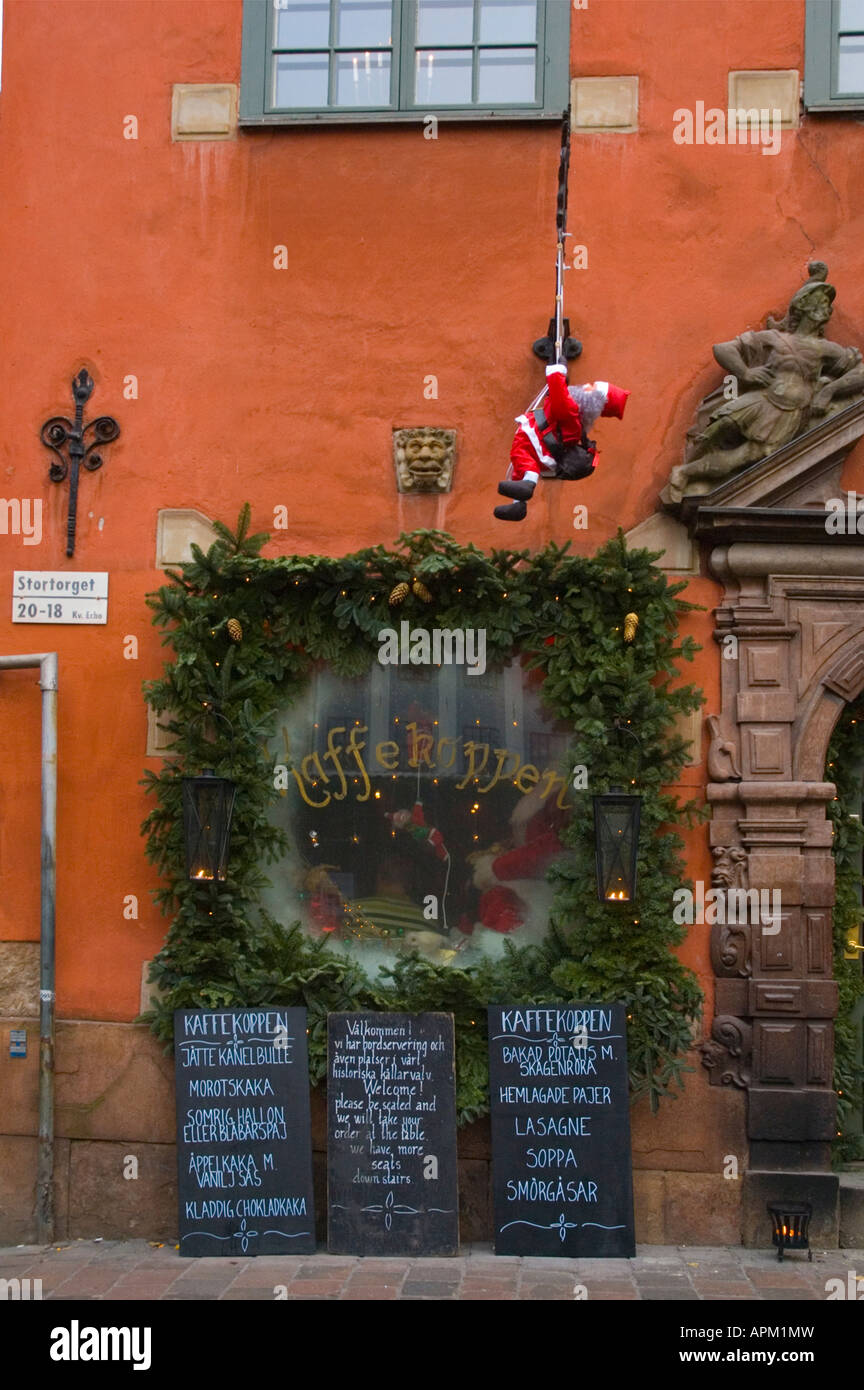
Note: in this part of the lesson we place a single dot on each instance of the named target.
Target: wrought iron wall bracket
(68, 439)
(544, 348)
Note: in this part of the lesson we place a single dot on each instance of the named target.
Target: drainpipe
(47, 663)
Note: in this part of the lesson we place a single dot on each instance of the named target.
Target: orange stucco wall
(407, 257)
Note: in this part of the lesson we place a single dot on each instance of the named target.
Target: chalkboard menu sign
(391, 1110)
(244, 1144)
(561, 1167)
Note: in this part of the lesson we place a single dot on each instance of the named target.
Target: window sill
(841, 104)
(313, 118)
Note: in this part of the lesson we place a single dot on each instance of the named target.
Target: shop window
(313, 60)
(834, 55)
(415, 815)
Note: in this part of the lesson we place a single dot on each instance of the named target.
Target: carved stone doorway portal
(790, 633)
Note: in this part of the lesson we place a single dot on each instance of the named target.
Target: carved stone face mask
(425, 457)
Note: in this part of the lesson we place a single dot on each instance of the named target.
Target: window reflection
(421, 815)
(506, 75)
(303, 24)
(445, 21)
(362, 79)
(301, 79)
(508, 21)
(444, 78)
(850, 64)
(364, 23)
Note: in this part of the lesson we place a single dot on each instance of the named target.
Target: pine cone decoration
(420, 590)
(631, 622)
(399, 594)
(235, 630)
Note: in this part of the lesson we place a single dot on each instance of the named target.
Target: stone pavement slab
(137, 1270)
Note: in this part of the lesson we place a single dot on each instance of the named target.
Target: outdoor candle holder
(616, 839)
(791, 1224)
(208, 806)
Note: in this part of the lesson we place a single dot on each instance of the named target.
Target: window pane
(302, 24)
(401, 785)
(445, 21)
(508, 21)
(301, 79)
(506, 75)
(851, 14)
(444, 78)
(364, 23)
(850, 65)
(363, 79)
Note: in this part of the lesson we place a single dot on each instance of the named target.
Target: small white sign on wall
(60, 596)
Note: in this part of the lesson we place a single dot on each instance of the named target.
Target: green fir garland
(564, 614)
(845, 766)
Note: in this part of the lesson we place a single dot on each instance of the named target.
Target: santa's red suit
(567, 410)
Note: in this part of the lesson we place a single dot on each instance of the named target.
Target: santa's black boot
(522, 490)
(517, 511)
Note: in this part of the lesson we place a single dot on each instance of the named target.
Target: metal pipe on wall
(47, 663)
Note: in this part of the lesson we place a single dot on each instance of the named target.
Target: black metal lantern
(791, 1226)
(616, 842)
(208, 805)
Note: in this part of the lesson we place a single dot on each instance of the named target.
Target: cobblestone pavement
(137, 1270)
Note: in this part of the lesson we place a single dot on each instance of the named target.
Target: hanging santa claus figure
(552, 441)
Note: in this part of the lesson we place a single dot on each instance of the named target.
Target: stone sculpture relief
(424, 459)
(722, 760)
(730, 941)
(781, 381)
(727, 1052)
